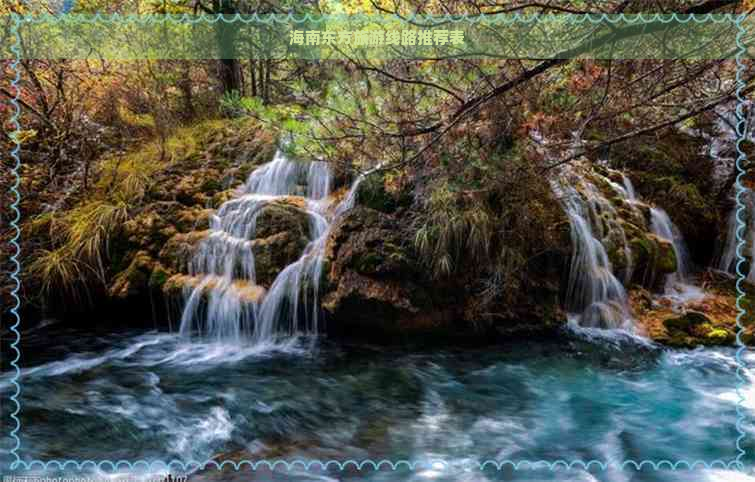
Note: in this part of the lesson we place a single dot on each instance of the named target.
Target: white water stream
(224, 302)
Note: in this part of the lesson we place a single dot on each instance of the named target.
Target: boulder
(372, 280)
(282, 233)
(694, 328)
(652, 258)
(284, 215)
(273, 253)
(688, 322)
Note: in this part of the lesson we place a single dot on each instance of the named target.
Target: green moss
(643, 252)
(616, 256)
(718, 336)
(211, 186)
(158, 278)
(666, 261)
(687, 322)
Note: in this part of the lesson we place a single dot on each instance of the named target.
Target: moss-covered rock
(719, 336)
(134, 280)
(282, 216)
(707, 321)
(674, 172)
(193, 219)
(372, 281)
(652, 258)
(179, 249)
(694, 328)
(666, 261)
(282, 233)
(687, 322)
(273, 253)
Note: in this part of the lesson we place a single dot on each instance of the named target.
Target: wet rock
(246, 291)
(179, 249)
(694, 329)
(282, 216)
(711, 320)
(652, 258)
(687, 322)
(282, 233)
(273, 253)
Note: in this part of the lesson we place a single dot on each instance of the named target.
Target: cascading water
(678, 285)
(225, 302)
(626, 191)
(594, 295)
(728, 260)
(661, 226)
(722, 150)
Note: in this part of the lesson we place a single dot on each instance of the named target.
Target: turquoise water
(153, 396)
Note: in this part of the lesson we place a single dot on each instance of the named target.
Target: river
(131, 394)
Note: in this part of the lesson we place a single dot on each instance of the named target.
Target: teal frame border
(376, 465)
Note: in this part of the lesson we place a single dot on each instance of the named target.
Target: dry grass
(77, 240)
(453, 232)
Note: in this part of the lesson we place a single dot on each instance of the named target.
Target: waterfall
(661, 226)
(224, 301)
(728, 260)
(678, 286)
(625, 190)
(594, 295)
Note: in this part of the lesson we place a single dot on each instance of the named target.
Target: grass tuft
(455, 231)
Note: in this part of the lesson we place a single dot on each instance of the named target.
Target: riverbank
(407, 258)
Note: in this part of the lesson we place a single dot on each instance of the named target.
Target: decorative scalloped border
(377, 465)
(500, 18)
(741, 227)
(16, 198)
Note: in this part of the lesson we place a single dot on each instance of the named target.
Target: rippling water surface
(155, 396)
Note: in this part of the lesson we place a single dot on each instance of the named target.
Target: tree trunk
(230, 75)
(267, 80)
(261, 65)
(253, 77)
(230, 70)
(185, 85)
